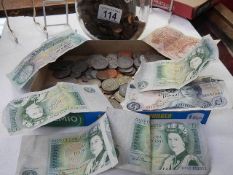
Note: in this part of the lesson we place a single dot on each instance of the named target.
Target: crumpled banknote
(171, 42)
(48, 52)
(203, 93)
(36, 109)
(170, 74)
(86, 151)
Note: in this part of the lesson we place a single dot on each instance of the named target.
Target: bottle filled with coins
(113, 19)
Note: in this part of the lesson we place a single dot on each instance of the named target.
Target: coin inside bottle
(112, 19)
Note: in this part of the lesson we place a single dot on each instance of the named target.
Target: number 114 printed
(109, 13)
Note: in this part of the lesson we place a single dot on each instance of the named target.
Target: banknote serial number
(194, 168)
(158, 116)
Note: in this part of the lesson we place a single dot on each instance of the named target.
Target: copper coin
(106, 74)
(126, 53)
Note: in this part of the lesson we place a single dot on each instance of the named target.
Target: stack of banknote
(120, 139)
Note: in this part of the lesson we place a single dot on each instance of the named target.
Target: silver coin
(79, 80)
(108, 96)
(137, 60)
(93, 74)
(125, 62)
(128, 70)
(118, 97)
(61, 65)
(95, 82)
(84, 78)
(154, 57)
(99, 62)
(115, 103)
(143, 59)
(132, 72)
(123, 89)
(123, 79)
(110, 85)
(90, 82)
(80, 66)
(69, 80)
(112, 61)
(62, 73)
(76, 74)
(88, 74)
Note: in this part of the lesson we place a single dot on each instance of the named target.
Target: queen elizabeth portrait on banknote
(98, 150)
(190, 97)
(178, 139)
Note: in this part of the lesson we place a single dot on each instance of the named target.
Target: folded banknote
(179, 147)
(171, 42)
(36, 109)
(155, 146)
(131, 135)
(86, 151)
(48, 52)
(170, 74)
(203, 93)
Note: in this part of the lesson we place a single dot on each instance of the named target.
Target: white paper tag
(109, 13)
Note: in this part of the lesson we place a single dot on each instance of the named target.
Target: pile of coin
(111, 73)
(129, 26)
